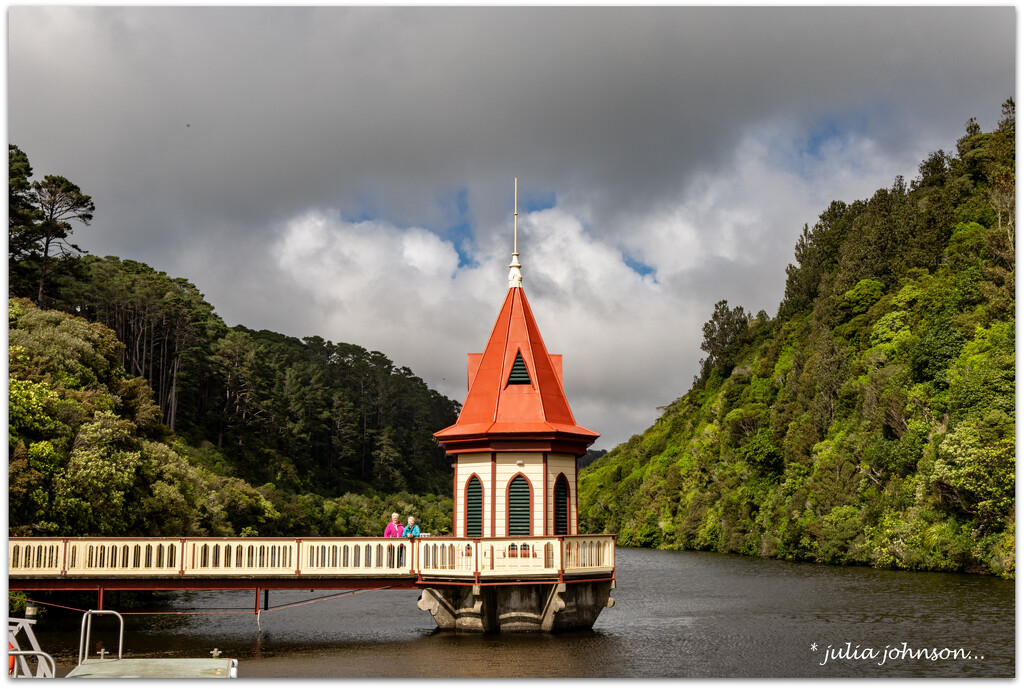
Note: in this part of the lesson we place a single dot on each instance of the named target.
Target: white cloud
(225, 145)
(400, 290)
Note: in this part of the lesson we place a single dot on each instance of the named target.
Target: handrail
(280, 557)
(85, 639)
(41, 670)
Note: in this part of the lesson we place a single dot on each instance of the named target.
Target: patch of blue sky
(459, 231)
(803, 151)
(365, 209)
(833, 132)
(826, 133)
(363, 215)
(639, 267)
(537, 201)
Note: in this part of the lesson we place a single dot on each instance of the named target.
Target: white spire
(515, 276)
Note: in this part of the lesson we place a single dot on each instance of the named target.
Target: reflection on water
(676, 615)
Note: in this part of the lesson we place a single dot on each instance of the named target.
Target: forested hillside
(871, 421)
(90, 455)
(127, 377)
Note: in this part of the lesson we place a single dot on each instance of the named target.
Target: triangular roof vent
(519, 374)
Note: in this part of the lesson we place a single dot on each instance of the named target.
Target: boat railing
(45, 666)
(85, 639)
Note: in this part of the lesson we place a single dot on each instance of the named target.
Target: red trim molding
(494, 493)
(545, 531)
(455, 496)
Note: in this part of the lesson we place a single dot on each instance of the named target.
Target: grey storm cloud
(203, 133)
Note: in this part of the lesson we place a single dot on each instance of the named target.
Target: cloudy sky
(348, 172)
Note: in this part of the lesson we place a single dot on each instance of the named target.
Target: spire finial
(515, 277)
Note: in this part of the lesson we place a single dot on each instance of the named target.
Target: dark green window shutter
(474, 508)
(519, 507)
(519, 375)
(561, 507)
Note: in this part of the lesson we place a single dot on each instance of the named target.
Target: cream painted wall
(562, 464)
(533, 470)
(505, 469)
(468, 464)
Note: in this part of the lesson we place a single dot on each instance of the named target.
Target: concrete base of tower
(518, 607)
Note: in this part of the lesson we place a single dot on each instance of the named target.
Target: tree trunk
(43, 269)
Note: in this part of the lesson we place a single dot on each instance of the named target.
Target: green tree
(387, 461)
(91, 491)
(21, 212)
(723, 336)
(59, 202)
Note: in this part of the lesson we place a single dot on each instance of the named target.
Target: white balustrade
(521, 556)
(588, 553)
(219, 557)
(36, 555)
(121, 556)
(202, 557)
(363, 556)
(447, 557)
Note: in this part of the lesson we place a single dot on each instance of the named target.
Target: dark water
(677, 614)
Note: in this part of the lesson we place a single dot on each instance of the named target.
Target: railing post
(561, 557)
(181, 568)
(64, 564)
(298, 554)
(476, 560)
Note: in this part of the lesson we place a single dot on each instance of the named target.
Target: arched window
(474, 507)
(561, 506)
(519, 506)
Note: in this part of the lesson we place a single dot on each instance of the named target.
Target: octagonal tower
(515, 444)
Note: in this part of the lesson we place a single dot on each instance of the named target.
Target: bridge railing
(368, 556)
(427, 558)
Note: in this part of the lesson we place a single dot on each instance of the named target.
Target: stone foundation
(518, 607)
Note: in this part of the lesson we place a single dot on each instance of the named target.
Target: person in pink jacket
(393, 529)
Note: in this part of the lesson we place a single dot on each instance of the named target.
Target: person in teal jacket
(412, 529)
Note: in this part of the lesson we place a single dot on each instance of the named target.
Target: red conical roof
(506, 410)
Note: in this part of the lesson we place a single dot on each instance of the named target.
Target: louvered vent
(474, 508)
(519, 375)
(561, 506)
(519, 507)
